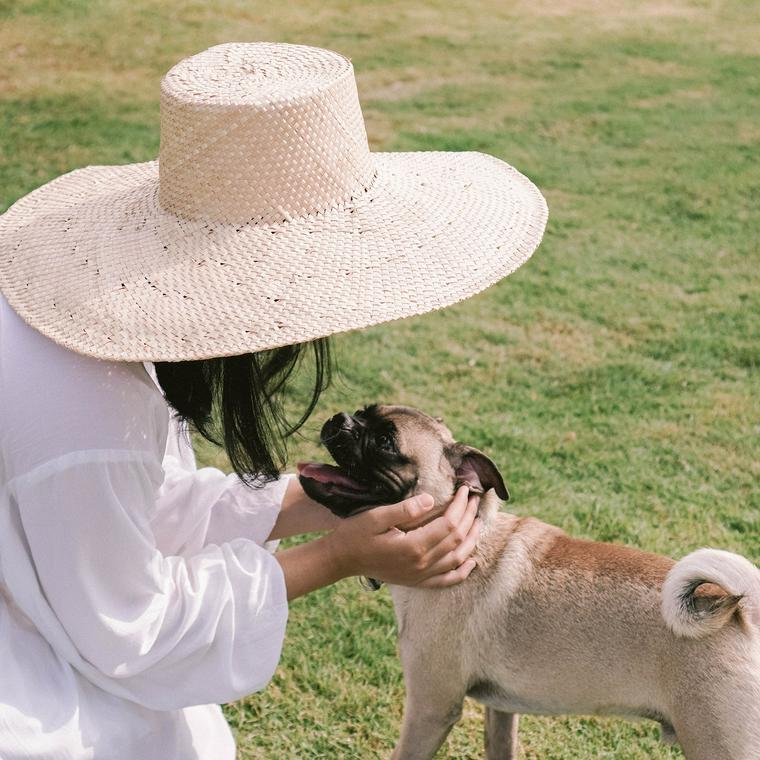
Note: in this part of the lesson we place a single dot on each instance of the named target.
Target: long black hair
(237, 402)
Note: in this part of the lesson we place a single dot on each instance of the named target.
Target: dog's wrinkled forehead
(412, 427)
(425, 442)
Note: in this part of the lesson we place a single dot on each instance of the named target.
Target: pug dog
(548, 624)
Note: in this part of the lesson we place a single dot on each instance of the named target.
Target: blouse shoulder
(54, 401)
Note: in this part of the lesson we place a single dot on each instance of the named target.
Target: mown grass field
(614, 377)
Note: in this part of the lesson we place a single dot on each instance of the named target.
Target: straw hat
(266, 221)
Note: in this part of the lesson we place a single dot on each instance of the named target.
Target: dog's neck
(489, 505)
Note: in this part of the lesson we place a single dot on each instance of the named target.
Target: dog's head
(385, 454)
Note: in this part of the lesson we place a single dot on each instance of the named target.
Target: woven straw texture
(266, 221)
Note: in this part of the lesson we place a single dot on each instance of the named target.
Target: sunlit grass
(614, 378)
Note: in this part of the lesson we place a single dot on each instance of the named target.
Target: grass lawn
(614, 377)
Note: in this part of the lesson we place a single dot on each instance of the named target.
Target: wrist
(309, 566)
(337, 556)
(300, 514)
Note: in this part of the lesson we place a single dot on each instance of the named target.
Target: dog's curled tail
(693, 615)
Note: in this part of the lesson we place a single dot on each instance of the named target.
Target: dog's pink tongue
(327, 473)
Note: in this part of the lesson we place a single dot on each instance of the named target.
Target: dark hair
(236, 402)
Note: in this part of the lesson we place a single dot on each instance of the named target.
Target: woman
(137, 592)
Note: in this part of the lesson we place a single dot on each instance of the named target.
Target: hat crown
(258, 133)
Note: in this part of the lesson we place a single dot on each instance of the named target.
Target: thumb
(405, 511)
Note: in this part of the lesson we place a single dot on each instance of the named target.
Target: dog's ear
(476, 470)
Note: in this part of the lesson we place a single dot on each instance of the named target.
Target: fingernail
(425, 501)
(471, 565)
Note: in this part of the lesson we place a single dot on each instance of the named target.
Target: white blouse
(135, 590)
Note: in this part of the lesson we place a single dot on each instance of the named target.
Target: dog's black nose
(336, 425)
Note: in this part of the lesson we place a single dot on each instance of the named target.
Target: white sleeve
(166, 631)
(202, 507)
(195, 508)
(81, 444)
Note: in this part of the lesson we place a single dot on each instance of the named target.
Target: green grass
(614, 378)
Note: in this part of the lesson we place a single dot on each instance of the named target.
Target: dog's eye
(385, 442)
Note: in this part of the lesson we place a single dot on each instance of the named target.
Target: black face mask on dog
(371, 470)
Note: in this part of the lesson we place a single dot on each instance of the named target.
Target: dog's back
(572, 617)
(581, 629)
(550, 624)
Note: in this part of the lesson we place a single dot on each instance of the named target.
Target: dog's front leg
(501, 735)
(436, 675)
(435, 688)
(428, 718)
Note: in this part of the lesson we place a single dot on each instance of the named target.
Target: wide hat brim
(92, 260)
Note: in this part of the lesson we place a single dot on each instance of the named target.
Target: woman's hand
(436, 554)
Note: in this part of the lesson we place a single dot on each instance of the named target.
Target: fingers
(455, 558)
(446, 532)
(451, 578)
(413, 508)
(434, 555)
